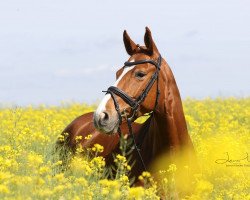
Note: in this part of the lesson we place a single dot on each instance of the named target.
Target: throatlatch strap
(135, 145)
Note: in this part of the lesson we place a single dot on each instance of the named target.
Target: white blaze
(102, 105)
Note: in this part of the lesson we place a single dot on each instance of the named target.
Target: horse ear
(149, 42)
(128, 43)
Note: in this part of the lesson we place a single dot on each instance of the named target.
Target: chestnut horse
(145, 84)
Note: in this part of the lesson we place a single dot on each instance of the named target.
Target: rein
(135, 103)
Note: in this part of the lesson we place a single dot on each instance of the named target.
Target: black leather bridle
(135, 103)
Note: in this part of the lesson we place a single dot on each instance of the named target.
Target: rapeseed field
(29, 168)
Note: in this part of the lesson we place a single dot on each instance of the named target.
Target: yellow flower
(97, 162)
(28, 134)
(44, 170)
(204, 187)
(58, 188)
(35, 160)
(172, 168)
(59, 162)
(59, 177)
(5, 176)
(61, 138)
(128, 167)
(78, 138)
(80, 165)
(79, 149)
(109, 183)
(97, 148)
(4, 189)
(45, 193)
(146, 174)
(124, 179)
(88, 137)
(136, 193)
(82, 181)
(39, 181)
(120, 158)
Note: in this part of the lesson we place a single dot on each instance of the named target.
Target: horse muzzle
(106, 122)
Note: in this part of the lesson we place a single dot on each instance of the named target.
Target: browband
(158, 64)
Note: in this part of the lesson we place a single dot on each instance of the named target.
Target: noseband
(135, 103)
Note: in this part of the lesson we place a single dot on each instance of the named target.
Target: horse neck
(168, 129)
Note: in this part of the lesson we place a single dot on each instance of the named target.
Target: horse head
(136, 89)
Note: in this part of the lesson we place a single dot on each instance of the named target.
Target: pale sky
(53, 51)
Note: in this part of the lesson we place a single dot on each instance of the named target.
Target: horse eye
(140, 74)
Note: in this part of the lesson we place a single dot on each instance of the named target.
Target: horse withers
(145, 84)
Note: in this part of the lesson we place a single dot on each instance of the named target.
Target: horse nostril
(104, 117)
